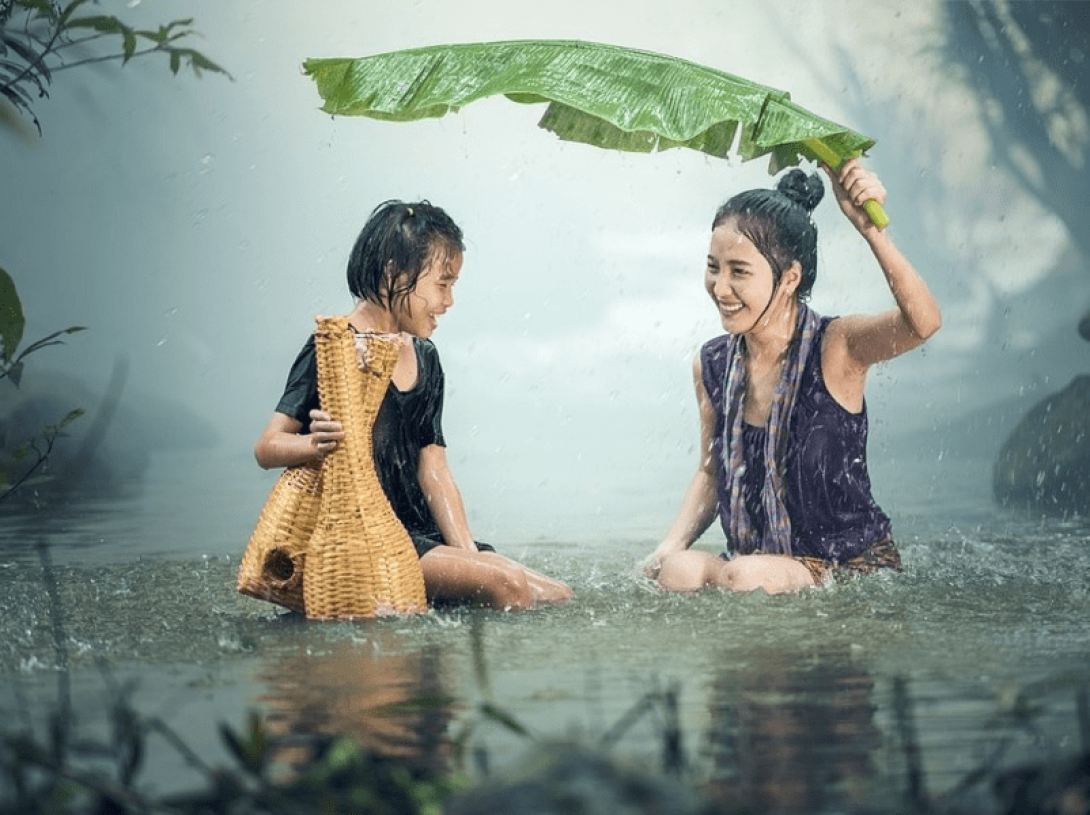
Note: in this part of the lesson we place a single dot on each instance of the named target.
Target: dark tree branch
(984, 41)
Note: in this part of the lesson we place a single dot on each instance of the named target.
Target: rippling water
(832, 700)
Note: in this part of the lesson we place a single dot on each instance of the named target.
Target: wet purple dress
(828, 493)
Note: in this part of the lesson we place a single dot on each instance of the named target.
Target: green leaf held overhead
(604, 95)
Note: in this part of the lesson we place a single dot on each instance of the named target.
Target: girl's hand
(325, 434)
(854, 185)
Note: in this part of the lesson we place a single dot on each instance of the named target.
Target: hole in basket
(279, 565)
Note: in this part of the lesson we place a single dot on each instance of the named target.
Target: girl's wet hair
(778, 223)
(395, 246)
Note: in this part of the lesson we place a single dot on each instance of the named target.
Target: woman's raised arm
(870, 339)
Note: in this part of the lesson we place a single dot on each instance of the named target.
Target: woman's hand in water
(854, 185)
(652, 564)
(325, 434)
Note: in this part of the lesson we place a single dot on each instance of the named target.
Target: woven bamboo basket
(272, 565)
(360, 560)
(336, 520)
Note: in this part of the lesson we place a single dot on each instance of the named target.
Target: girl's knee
(509, 589)
(552, 592)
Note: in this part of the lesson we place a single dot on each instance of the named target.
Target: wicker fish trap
(272, 565)
(355, 558)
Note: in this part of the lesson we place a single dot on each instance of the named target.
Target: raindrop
(170, 312)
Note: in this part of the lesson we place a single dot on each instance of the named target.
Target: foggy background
(197, 226)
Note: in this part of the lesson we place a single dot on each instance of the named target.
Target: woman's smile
(738, 278)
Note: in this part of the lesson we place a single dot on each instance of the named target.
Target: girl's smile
(433, 295)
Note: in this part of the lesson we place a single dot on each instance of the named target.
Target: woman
(782, 414)
(402, 271)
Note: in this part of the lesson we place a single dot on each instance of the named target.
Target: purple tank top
(828, 494)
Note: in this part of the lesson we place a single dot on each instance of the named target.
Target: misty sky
(196, 226)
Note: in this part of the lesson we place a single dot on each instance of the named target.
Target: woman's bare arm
(701, 500)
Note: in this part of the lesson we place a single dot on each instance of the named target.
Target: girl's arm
(443, 498)
(701, 500)
(870, 339)
(281, 444)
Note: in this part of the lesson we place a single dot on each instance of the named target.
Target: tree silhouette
(38, 39)
(1029, 62)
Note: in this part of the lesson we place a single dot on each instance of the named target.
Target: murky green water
(833, 700)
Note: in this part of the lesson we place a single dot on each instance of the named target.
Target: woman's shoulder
(712, 361)
(815, 362)
(716, 346)
(716, 351)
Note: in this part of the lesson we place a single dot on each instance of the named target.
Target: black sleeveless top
(828, 492)
(407, 421)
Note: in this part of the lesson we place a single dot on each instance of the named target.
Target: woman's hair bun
(805, 190)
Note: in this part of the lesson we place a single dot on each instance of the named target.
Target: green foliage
(17, 472)
(52, 773)
(604, 95)
(36, 37)
(12, 323)
(27, 459)
(12, 320)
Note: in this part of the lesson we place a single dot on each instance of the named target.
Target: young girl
(782, 415)
(402, 271)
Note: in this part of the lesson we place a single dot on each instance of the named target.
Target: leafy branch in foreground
(41, 447)
(38, 38)
(16, 472)
(54, 774)
(12, 323)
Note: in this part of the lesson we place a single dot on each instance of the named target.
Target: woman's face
(738, 278)
(419, 313)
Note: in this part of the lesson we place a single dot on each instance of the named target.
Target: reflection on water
(785, 703)
(795, 731)
(388, 698)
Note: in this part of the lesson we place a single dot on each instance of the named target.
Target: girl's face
(419, 313)
(738, 278)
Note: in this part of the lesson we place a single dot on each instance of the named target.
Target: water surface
(832, 700)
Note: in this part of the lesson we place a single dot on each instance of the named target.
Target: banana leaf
(604, 95)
